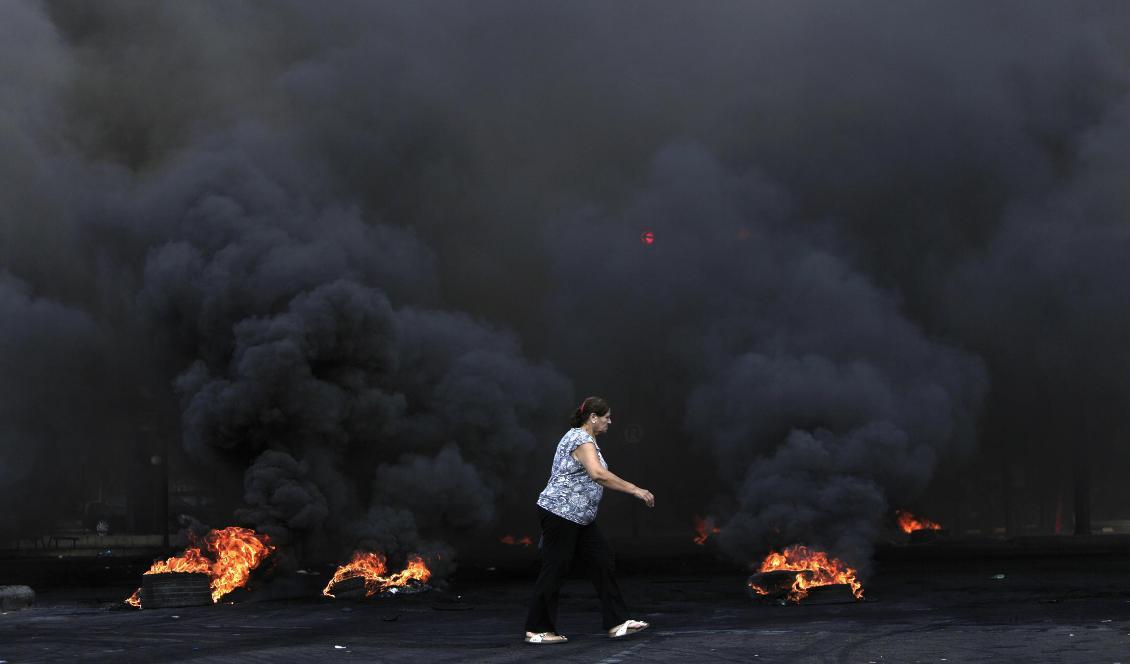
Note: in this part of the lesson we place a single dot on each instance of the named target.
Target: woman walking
(567, 508)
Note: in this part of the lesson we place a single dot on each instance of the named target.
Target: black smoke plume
(342, 252)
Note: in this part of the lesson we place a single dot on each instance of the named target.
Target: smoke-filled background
(347, 268)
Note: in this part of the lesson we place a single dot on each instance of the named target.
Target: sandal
(545, 637)
(627, 627)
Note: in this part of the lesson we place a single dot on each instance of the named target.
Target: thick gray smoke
(820, 401)
(301, 341)
(281, 497)
(328, 249)
(301, 352)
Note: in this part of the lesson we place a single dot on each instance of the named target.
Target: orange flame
(191, 562)
(824, 571)
(705, 528)
(416, 570)
(910, 523)
(372, 567)
(237, 551)
(510, 540)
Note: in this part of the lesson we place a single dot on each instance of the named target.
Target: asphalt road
(1069, 609)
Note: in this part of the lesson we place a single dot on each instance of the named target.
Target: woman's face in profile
(602, 422)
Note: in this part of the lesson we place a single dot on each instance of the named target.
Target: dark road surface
(1069, 609)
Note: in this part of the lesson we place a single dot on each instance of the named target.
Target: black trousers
(563, 541)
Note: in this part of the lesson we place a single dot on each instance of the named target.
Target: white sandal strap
(622, 628)
(545, 637)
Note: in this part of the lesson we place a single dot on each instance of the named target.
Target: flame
(372, 567)
(824, 571)
(910, 523)
(236, 550)
(416, 570)
(705, 528)
(509, 540)
(191, 562)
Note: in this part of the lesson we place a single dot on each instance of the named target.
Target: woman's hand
(646, 496)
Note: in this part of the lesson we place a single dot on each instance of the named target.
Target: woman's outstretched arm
(586, 455)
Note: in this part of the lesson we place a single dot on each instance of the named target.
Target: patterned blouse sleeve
(580, 438)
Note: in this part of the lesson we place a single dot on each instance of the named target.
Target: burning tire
(792, 574)
(774, 585)
(175, 589)
(233, 553)
(927, 536)
(351, 588)
(367, 575)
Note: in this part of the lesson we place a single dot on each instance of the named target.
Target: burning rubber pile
(921, 530)
(367, 575)
(704, 528)
(792, 573)
(910, 523)
(232, 555)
